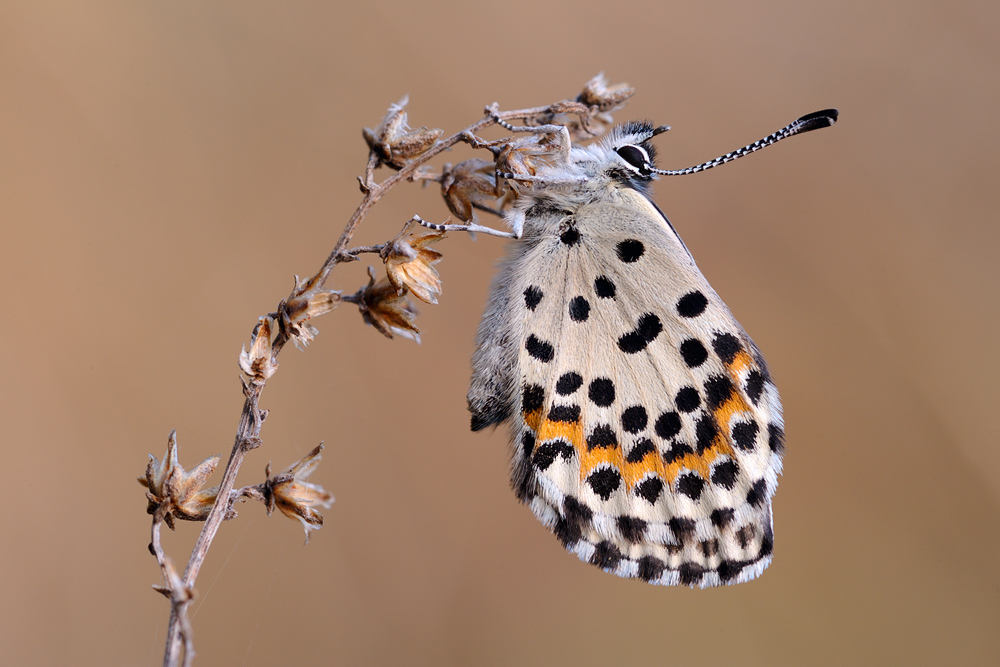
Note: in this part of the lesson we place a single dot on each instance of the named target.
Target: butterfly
(646, 431)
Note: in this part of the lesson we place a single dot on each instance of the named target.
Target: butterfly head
(626, 155)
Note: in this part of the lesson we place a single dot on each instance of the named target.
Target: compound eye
(636, 157)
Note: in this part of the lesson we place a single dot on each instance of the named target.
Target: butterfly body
(646, 432)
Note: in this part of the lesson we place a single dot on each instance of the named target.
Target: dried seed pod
(469, 185)
(394, 142)
(258, 362)
(174, 492)
(294, 496)
(385, 309)
(409, 263)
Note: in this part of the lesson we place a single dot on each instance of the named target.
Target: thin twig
(252, 418)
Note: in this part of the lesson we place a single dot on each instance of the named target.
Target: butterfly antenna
(808, 123)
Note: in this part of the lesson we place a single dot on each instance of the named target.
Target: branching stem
(180, 589)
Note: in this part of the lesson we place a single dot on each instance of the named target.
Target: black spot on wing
(693, 352)
(527, 444)
(604, 288)
(579, 309)
(690, 485)
(676, 451)
(668, 425)
(691, 304)
(755, 385)
(532, 397)
(634, 419)
(640, 450)
(681, 527)
(757, 493)
(718, 389)
(602, 392)
(690, 573)
(726, 345)
(568, 383)
(602, 436)
(545, 454)
(705, 431)
(775, 438)
(532, 297)
(651, 568)
(576, 516)
(630, 250)
(687, 399)
(539, 349)
(745, 435)
(724, 474)
(606, 555)
(604, 482)
(632, 528)
(722, 517)
(650, 489)
(645, 332)
(564, 413)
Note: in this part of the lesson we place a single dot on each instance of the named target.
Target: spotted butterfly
(646, 431)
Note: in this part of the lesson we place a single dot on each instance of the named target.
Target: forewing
(647, 433)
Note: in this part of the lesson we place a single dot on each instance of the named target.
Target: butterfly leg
(471, 227)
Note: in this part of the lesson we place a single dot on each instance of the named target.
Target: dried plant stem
(247, 438)
(180, 590)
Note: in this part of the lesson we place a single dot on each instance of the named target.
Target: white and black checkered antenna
(808, 123)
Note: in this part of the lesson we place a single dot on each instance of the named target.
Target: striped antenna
(808, 123)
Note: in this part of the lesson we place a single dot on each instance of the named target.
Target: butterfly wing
(647, 434)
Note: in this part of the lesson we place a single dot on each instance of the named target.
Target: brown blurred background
(165, 168)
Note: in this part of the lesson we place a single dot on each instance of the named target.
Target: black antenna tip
(818, 120)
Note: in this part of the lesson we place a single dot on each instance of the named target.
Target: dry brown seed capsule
(394, 142)
(386, 310)
(259, 362)
(410, 264)
(469, 185)
(294, 496)
(598, 93)
(173, 492)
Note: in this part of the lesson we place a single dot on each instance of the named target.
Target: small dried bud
(410, 264)
(394, 142)
(598, 93)
(294, 496)
(601, 99)
(259, 362)
(386, 310)
(304, 303)
(472, 184)
(172, 492)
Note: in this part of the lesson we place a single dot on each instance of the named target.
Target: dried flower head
(294, 496)
(385, 309)
(409, 263)
(304, 303)
(473, 184)
(394, 142)
(172, 492)
(606, 98)
(601, 100)
(259, 362)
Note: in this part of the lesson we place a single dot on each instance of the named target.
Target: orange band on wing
(571, 432)
(634, 472)
(740, 362)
